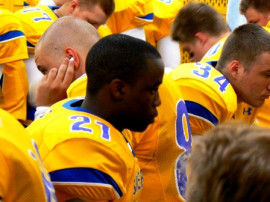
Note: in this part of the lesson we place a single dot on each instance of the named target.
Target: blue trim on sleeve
(11, 35)
(84, 175)
(147, 17)
(30, 45)
(200, 111)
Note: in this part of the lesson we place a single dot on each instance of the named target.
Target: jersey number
(81, 122)
(205, 71)
(183, 139)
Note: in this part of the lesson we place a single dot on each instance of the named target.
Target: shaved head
(66, 32)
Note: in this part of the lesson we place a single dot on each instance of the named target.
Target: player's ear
(202, 37)
(69, 53)
(72, 6)
(118, 89)
(235, 68)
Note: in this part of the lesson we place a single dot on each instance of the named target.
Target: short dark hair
(245, 44)
(260, 5)
(107, 6)
(197, 17)
(117, 56)
(230, 163)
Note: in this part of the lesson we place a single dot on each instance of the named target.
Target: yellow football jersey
(130, 14)
(35, 21)
(244, 111)
(163, 148)
(262, 118)
(103, 31)
(77, 87)
(86, 156)
(22, 174)
(164, 14)
(13, 50)
(30, 2)
(213, 54)
(209, 97)
(268, 24)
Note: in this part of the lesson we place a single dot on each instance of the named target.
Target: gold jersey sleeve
(130, 14)
(30, 2)
(22, 174)
(164, 14)
(35, 21)
(209, 96)
(13, 50)
(77, 87)
(87, 158)
(163, 148)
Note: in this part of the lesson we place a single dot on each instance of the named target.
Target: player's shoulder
(202, 78)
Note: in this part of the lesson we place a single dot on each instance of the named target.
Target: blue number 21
(80, 125)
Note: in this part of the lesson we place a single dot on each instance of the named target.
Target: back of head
(107, 6)
(68, 31)
(118, 56)
(260, 5)
(197, 17)
(230, 163)
(245, 44)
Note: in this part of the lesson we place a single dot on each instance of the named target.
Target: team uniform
(244, 111)
(13, 77)
(162, 149)
(262, 118)
(209, 96)
(129, 15)
(158, 32)
(77, 87)
(30, 2)
(22, 174)
(103, 31)
(164, 14)
(35, 21)
(86, 156)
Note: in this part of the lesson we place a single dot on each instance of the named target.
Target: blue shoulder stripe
(11, 35)
(200, 111)
(29, 45)
(84, 176)
(148, 17)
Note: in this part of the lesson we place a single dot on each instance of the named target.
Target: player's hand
(52, 87)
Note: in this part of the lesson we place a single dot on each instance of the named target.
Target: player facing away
(80, 140)
(230, 163)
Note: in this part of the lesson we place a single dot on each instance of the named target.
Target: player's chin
(142, 125)
(259, 103)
